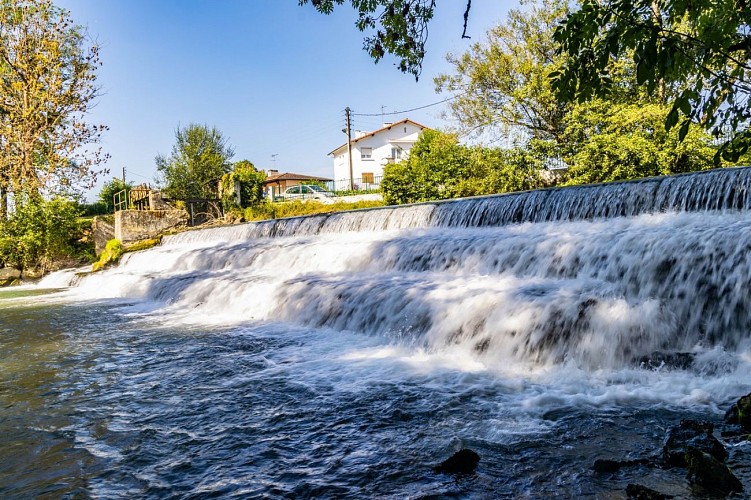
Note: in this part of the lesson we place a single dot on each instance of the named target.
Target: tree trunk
(3, 203)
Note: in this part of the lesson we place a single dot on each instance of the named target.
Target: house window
(396, 153)
(367, 178)
(366, 153)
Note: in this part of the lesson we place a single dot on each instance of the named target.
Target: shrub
(38, 232)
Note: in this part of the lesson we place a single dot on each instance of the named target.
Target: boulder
(639, 492)
(603, 465)
(667, 360)
(744, 412)
(691, 433)
(740, 413)
(711, 474)
(9, 276)
(462, 462)
(32, 273)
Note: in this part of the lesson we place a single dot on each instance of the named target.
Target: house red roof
(289, 176)
(371, 134)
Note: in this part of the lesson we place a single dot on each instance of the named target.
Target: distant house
(276, 183)
(371, 151)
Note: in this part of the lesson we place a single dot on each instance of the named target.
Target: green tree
(400, 27)
(39, 232)
(248, 180)
(106, 195)
(438, 167)
(701, 49)
(199, 158)
(502, 83)
(47, 83)
(609, 141)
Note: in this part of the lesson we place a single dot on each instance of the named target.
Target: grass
(297, 208)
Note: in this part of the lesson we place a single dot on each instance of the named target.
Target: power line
(408, 110)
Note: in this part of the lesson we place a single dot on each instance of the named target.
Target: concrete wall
(103, 229)
(136, 225)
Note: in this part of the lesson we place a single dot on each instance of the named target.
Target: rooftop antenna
(273, 159)
(383, 120)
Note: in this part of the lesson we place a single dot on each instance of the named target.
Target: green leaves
(690, 52)
(199, 159)
(401, 28)
(38, 232)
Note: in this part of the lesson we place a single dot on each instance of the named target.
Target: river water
(346, 355)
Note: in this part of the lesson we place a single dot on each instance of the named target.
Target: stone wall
(103, 229)
(136, 225)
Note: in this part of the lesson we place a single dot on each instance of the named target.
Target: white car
(307, 192)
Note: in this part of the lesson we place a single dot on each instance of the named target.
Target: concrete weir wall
(137, 225)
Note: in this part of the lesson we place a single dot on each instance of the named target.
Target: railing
(341, 187)
(120, 200)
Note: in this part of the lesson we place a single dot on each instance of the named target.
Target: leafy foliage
(199, 159)
(106, 195)
(248, 179)
(47, 83)
(39, 232)
(502, 83)
(698, 50)
(609, 141)
(438, 167)
(401, 27)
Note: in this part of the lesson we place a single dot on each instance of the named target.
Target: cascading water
(498, 321)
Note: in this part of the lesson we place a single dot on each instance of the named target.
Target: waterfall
(723, 189)
(598, 276)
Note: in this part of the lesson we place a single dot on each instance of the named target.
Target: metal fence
(370, 183)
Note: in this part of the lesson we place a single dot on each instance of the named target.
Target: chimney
(271, 172)
(360, 133)
(387, 124)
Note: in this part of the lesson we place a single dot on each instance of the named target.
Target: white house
(371, 151)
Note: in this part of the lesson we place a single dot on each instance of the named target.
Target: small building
(276, 183)
(371, 151)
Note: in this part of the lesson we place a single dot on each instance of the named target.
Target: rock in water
(744, 412)
(669, 360)
(9, 276)
(462, 462)
(639, 492)
(708, 472)
(695, 434)
(606, 465)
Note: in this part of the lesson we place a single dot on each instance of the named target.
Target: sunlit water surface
(103, 402)
(345, 356)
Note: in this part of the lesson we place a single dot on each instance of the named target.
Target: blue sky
(272, 76)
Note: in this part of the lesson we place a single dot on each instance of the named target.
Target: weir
(598, 276)
(722, 189)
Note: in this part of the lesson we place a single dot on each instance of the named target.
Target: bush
(39, 232)
(440, 168)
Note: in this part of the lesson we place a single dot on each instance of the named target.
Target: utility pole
(347, 113)
(123, 176)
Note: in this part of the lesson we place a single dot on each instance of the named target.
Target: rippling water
(347, 355)
(98, 400)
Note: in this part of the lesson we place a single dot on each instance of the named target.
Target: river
(346, 355)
